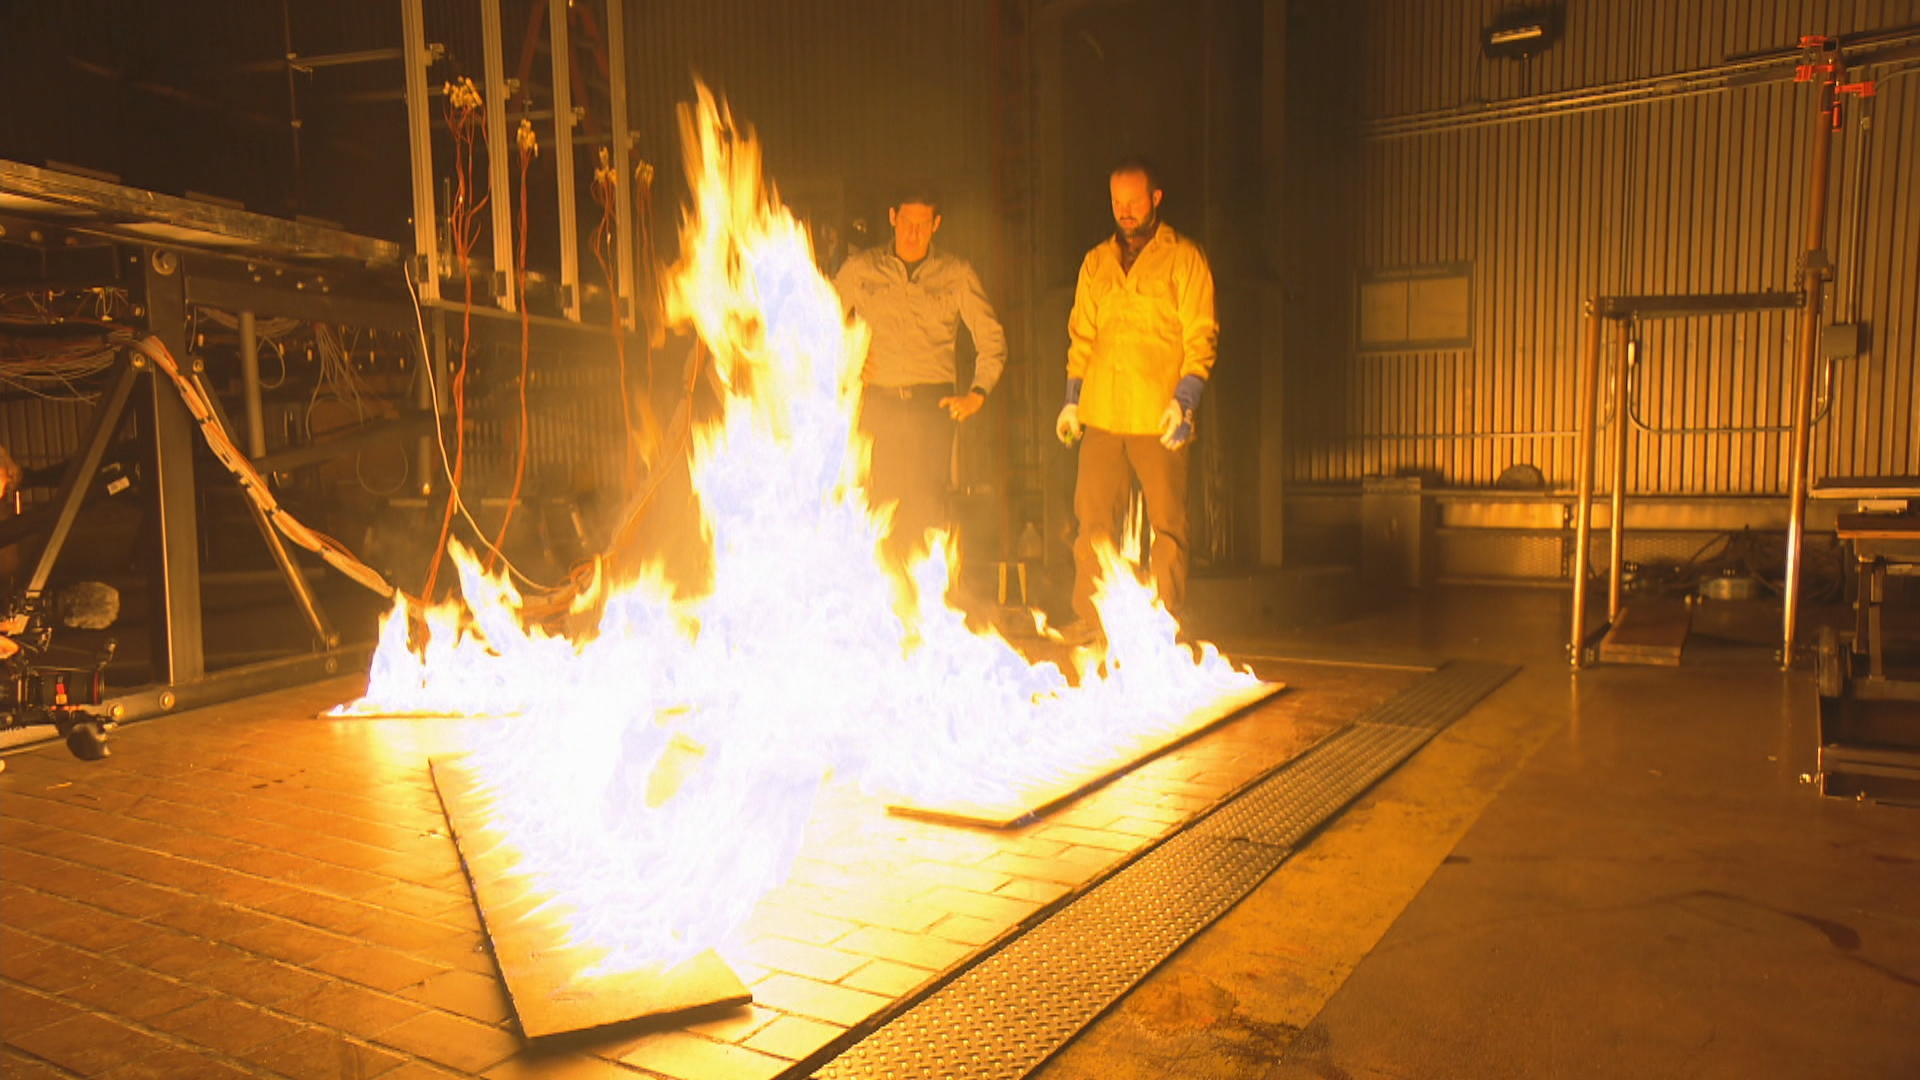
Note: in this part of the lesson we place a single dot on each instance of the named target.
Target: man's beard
(1140, 231)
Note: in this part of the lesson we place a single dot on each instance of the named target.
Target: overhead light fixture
(1522, 32)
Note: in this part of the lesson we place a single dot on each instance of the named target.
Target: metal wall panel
(1700, 192)
(1423, 55)
(848, 98)
(40, 432)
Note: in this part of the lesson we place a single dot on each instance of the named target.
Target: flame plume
(653, 776)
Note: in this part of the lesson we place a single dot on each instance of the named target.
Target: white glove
(1176, 426)
(1068, 427)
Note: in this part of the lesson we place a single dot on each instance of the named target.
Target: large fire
(654, 775)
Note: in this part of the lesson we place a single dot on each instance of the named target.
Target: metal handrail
(1635, 348)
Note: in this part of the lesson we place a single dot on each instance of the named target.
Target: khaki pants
(1109, 464)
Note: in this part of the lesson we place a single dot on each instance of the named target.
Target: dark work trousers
(912, 460)
(1109, 464)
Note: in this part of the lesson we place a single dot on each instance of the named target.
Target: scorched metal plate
(1039, 800)
(545, 979)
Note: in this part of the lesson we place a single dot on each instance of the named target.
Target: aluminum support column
(564, 178)
(499, 152)
(415, 57)
(626, 303)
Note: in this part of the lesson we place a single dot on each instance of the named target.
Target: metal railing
(1625, 312)
(1824, 65)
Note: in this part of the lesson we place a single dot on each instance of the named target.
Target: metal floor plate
(1003, 1017)
(546, 980)
(1037, 801)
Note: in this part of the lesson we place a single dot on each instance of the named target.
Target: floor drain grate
(1004, 1016)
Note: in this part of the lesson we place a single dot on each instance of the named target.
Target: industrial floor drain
(1004, 1016)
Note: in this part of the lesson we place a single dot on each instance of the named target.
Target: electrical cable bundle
(463, 220)
(220, 441)
(52, 369)
(529, 149)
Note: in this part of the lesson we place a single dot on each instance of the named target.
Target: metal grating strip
(1434, 702)
(1281, 810)
(1003, 1017)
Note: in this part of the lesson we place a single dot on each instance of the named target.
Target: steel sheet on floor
(546, 978)
(1038, 800)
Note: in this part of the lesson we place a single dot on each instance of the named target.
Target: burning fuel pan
(1038, 801)
(545, 980)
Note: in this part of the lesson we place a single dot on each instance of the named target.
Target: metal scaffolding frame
(419, 54)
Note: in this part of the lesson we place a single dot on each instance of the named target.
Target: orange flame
(653, 776)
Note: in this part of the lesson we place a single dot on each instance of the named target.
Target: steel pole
(564, 177)
(1583, 480)
(250, 386)
(626, 302)
(493, 99)
(1617, 497)
(413, 51)
(1811, 278)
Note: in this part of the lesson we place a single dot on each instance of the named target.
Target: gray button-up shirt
(916, 320)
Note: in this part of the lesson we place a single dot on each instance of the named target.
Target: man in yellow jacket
(1141, 344)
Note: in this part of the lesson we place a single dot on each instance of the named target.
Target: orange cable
(465, 232)
(526, 348)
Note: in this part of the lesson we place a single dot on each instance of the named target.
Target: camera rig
(37, 686)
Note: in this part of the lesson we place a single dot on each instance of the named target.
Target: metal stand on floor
(1653, 633)
(1827, 69)
(1870, 721)
(178, 648)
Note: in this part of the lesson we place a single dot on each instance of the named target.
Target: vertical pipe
(499, 152)
(1624, 356)
(625, 302)
(413, 52)
(1583, 479)
(1811, 278)
(250, 385)
(564, 181)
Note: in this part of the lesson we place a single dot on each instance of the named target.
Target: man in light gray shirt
(914, 298)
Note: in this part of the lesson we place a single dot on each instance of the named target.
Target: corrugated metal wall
(1702, 192)
(848, 98)
(39, 432)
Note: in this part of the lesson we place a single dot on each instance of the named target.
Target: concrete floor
(1610, 874)
(1616, 873)
(253, 890)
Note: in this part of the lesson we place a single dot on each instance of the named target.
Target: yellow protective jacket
(1134, 333)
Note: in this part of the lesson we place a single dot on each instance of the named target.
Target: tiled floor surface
(249, 891)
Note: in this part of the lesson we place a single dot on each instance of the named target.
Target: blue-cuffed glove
(1067, 428)
(1176, 421)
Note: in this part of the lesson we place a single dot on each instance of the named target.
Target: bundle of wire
(54, 368)
(220, 441)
